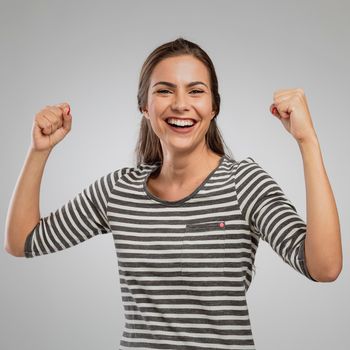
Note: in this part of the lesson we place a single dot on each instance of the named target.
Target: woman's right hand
(50, 126)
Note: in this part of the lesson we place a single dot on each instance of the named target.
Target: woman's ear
(145, 113)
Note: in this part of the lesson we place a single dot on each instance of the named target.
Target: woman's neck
(179, 170)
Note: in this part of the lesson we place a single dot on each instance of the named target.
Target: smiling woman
(179, 110)
(186, 219)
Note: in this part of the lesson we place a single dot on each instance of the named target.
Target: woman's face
(180, 88)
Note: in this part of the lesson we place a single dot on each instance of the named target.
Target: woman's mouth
(181, 126)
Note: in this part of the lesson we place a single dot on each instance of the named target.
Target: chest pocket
(203, 249)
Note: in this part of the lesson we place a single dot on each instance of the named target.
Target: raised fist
(50, 126)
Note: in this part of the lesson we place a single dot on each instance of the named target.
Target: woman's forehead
(184, 68)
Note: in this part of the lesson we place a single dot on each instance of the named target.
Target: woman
(187, 218)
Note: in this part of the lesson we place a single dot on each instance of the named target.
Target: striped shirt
(184, 266)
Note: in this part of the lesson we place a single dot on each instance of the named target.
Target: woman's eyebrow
(174, 85)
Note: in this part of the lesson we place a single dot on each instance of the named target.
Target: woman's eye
(200, 91)
(162, 91)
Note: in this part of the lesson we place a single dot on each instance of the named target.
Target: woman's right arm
(50, 126)
(24, 210)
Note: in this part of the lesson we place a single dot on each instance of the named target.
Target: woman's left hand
(290, 107)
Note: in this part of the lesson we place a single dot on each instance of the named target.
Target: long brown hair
(148, 148)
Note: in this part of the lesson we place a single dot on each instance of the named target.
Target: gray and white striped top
(184, 266)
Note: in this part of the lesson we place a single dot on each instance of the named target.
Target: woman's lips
(181, 130)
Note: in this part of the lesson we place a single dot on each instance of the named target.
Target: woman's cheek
(158, 105)
(204, 106)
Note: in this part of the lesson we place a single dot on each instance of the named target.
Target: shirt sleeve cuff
(302, 260)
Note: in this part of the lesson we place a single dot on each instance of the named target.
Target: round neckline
(182, 200)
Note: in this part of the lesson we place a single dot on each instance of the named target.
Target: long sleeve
(271, 215)
(83, 217)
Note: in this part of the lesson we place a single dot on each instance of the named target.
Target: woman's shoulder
(133, 171)
(246, 166)
(248, 159)
(239, 162)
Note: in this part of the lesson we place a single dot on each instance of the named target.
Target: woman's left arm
(323, 249)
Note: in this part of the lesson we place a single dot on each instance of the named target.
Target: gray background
(89, 54)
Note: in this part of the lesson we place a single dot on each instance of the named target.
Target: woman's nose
(180, 102)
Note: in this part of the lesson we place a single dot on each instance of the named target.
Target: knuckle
(52, 115)
(56, 109)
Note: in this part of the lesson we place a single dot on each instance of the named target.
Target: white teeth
(180, 122)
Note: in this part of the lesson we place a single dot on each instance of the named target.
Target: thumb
(67, 117)
(274, 111)
(67, 121)
(273, 108)
(65, 107)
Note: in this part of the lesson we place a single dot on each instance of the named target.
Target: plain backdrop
(89, 54)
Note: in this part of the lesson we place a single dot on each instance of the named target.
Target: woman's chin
(182, 146)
